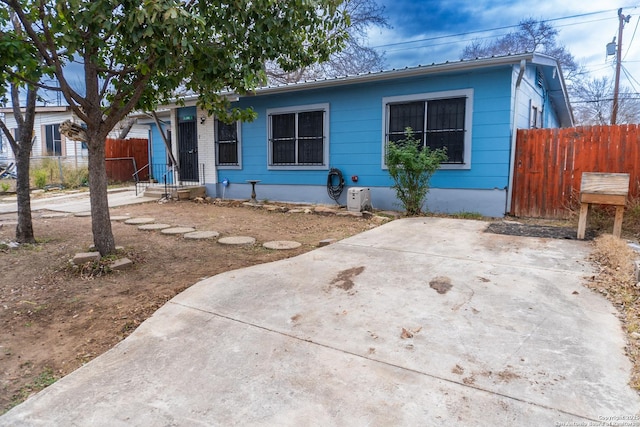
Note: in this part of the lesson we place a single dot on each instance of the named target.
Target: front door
(188, 148)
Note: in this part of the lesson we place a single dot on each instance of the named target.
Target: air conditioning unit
(358, 199)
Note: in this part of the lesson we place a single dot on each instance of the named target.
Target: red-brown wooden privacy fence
(124, 157)
(549, 165)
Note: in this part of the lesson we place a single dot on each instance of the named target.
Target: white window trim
(300, 109)
(430, 96)
(239, 148)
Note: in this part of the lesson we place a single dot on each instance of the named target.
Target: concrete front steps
(180, 193)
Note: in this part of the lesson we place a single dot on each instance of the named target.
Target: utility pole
(621, 21)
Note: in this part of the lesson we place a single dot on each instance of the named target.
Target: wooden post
(617, 223)
(582, 221)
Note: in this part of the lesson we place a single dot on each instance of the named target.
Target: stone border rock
(94, 256)
(55, 215)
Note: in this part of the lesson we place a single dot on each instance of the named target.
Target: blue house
(304, 130)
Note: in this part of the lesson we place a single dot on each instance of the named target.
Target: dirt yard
(54, 318)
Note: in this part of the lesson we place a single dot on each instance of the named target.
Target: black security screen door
(188, 149)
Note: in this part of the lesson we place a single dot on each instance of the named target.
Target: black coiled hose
(335, 190)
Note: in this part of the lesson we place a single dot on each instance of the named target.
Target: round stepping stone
(150, 227)
(83, 214)
(282, 245)
(202, 235)
(178, 230)
(55, 215)
(139, 221)
(120, 217)
(237, 240)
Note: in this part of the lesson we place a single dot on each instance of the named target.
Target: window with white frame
(227, 144)
(535, 121)
(438, 120)
(298, 137)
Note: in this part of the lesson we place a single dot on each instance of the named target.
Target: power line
(593, 101)
(497, 29)
(632, 37)
(630, 77)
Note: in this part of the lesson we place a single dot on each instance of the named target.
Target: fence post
(60, 169)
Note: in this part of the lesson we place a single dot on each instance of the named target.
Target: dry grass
(616, 281)
(600, 218)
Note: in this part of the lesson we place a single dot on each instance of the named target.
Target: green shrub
(411, 167)
(51, 171)
(76, 177)
(40, 178)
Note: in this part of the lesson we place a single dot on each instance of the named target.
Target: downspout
(514, 135)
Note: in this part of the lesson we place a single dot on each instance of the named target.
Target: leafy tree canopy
(355, 56)
(134, 54)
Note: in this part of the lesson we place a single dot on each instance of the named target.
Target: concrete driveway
(424, 321)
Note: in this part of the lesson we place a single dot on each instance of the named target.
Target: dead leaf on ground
(409, 333)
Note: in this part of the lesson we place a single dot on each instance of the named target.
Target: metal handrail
(135, 174)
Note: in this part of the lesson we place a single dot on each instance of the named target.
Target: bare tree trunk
(24, 229)
(100, 220)
(21, 147)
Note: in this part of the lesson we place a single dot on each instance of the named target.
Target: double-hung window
(53, 140)
(227, 144)
(438, 120)
(298, 137)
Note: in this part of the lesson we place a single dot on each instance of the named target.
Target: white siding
(206, 146)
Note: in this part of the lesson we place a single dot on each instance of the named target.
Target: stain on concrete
(441, 284)
(344, 280)
(409, 333)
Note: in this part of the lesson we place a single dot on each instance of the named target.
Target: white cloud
(584, 34)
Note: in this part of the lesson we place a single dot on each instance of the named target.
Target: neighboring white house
(47, 140)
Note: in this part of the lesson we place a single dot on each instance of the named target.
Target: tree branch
(34, 83)
(7, 133)
(46, 50)
(15, 104)
(114, 115)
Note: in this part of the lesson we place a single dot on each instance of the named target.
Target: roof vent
(540, 78)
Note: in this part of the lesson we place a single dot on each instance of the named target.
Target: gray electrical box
(358, 199)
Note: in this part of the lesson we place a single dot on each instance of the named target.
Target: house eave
(52, 109)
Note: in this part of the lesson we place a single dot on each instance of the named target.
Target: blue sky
(433, 31)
